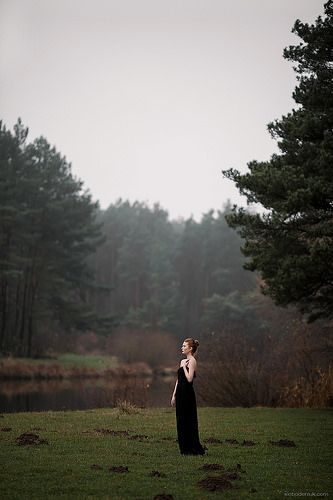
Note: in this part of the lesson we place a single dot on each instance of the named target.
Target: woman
(184, 398)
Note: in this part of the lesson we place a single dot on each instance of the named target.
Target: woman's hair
(192, 343)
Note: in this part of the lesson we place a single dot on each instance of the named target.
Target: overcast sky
(150, 99)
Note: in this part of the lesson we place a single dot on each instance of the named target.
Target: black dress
(187, 419)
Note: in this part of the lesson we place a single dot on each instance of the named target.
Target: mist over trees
(160, 271)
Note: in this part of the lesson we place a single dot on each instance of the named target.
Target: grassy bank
(68, 366)
(81, 448)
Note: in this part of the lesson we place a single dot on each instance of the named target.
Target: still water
(82, 394)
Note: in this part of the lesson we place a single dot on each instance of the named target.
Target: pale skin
(189, 365)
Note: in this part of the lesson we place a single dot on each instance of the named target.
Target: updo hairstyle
(192, 343)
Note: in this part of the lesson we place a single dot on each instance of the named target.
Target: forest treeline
(128, 281)
(67, 266)
(159, 273)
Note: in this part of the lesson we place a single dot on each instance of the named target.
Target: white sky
(150, 99)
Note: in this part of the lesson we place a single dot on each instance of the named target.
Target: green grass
(72, 360)
(62, 469)
(98, 362)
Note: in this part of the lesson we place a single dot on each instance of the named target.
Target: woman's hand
(189, 368)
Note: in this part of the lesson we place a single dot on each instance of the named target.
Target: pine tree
(291, 242)
(47, 230)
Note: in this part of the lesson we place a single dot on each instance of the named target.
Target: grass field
(97, 362)
(82, 447)
(64, 366)
(70, 359)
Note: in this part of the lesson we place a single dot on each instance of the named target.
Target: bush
(153, 348)
(126, 407)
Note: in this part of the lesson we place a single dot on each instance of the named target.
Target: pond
(82, 394)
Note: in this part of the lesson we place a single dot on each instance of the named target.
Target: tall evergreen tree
(47, 230)
(291, 243)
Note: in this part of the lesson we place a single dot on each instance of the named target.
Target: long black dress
(187, 419)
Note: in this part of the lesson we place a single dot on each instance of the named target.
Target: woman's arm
(173, 399)
(191, 365)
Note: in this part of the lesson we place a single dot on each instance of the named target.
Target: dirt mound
(138, 437)
(118, 468)
(231, 441)
(248, 443)
(111, 432)
(221, 482)
(211, 467)
(125, 433)
(284, 442)
(28, 438)
(156, 473)
(215, 483)
(212, 440)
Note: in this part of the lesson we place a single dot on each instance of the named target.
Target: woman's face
(186, 348)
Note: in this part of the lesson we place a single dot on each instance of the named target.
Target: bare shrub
(125, 407)
(270, 358)
(153, 348)
(283, 372)
(236, 376)
(314, 391)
